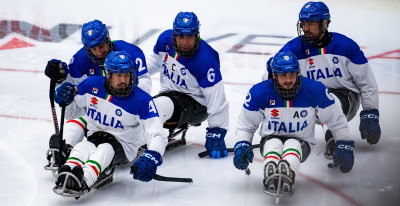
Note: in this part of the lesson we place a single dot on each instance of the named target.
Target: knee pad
(349, 101)
(187, 111)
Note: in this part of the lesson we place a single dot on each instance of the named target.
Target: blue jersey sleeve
(164, 42)
(79, 64)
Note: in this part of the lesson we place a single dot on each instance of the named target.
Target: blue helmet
(283, 63)
(311, 12)
(119, 62)
(314, 11)
(95, 33)
(186, 24)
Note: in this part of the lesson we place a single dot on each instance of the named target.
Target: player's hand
(146, 166)
(215, 143)
(369, 125)
(344, 155)
(242, 158)
(65, 94)
(56, 70)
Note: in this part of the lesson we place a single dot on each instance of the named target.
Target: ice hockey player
(287, 106)
(118, 115)
(338, 62)
(191, 83)
(88, 61)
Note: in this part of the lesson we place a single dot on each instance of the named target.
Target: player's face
(101, 51)
(120, 81)
(186, 43)
(311, 28)
(286, 80)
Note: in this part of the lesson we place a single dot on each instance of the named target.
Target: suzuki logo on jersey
(323, 73)
(173, 75)
(274, 113)
(94, 100)
(288, 127)
(310, 62)
(104, 119)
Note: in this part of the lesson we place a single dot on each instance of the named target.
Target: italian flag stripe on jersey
(288, 104)
(293, 152)
(322, 51)
(102, 73)
(176, 56)
(108, 97)
(95, 166)
(80, 121)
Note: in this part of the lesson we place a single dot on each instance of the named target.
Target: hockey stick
(60, 157)
(205, 153)
(53, 109)
(134, 169)
(247, 171)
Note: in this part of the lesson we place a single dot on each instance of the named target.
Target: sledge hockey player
(338, 62)
(119, 114)
(191, 83)
(89, 61)
(287, 107)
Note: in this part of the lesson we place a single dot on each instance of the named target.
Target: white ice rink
(246, 34)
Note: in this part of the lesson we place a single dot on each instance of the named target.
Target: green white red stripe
(80, 121)
(103, 73)
(108, 97)
(288, 104)
(75, 161)
(272, 155)
(322, 51)
(95, 166)
(293, 152)
(176, 56)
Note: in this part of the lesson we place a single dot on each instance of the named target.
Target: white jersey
(294, 118)
(340, 65)
(81, 67)
(198, 76)
(130, 119)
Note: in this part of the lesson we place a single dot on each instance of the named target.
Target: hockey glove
(56, 70)
(369, 125)
(215, 143)
(65, 94)
(344, 157)
(242, 158)
(146, 166)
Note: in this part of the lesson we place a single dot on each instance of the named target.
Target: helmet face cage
(95, 59)
(283, 63)
(287, 94)
(119, 63)
(94, 34)
(186, 24)
(313, 11)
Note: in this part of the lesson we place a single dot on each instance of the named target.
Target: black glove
(56, 70)
(369, 125)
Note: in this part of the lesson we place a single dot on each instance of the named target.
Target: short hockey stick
(134, 169)
(60, 156)
(53, 108)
